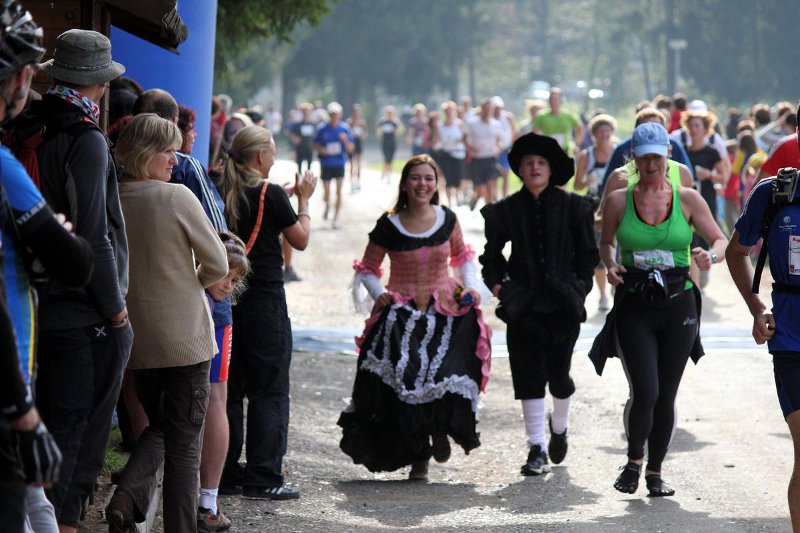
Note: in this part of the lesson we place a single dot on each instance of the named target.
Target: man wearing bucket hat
(541, 286)
(85, 336)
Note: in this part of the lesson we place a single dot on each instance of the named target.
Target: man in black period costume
(541, 286)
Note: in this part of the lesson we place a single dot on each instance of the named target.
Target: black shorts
(389, 146)
(358, 147)
(452, 168)
(329, 173)
(483, 170)
(786, 367)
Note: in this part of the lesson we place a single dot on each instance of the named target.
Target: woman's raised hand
(305, 184)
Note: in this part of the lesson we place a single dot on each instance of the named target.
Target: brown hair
(708, 120)
(402, 196)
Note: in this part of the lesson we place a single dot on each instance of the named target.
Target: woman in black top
(388, 129)
(709, 171)
(259, 212)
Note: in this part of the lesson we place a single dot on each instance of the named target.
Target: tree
(409, 47)
(243, 23)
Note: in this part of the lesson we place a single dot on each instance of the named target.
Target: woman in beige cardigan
(168, 236)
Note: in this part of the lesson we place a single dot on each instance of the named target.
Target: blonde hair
(237, 260)
(239, 175)
(602, 120)
(144, 137)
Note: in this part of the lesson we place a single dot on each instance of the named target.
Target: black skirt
(417, 375)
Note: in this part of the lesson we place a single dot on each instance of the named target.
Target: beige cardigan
(168, 233)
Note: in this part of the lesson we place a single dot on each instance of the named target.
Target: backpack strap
(766, 222)
(769, 216)
(259, 217)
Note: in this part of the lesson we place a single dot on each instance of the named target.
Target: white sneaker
(603, 305)
(335, 224)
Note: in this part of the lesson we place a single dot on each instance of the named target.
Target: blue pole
(189, 77)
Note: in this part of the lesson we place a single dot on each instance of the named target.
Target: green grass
(115, 458)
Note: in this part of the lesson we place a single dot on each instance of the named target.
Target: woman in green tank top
(654, 324)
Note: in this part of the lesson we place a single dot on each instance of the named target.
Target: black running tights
(655, 342)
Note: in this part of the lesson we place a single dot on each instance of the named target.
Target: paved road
(730, 460)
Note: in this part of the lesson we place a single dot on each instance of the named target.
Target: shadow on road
(548, 494)
(402, 503)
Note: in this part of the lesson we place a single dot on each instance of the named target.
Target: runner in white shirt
(508, 133)
(484, 140)
(452, 151)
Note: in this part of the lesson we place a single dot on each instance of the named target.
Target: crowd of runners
(137, 281)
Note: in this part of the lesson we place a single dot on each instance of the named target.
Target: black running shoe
(557, 447)
(536, 463)
(628, 480)
(270, 493)
(657, 487)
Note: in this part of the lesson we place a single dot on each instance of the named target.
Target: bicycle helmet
(20, 38)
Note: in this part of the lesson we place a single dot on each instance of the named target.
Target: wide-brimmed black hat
(561, 165)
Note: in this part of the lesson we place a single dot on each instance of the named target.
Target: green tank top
(663, 246)
(673, 172)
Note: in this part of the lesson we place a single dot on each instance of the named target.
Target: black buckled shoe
(557, 447)
(441, 447)
(628, 480)
(657, 487)
(537, 462)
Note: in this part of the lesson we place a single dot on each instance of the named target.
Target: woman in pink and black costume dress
(424, 355)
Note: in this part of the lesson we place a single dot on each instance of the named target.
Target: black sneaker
(557, 447)
(536, 463)
(270, 493)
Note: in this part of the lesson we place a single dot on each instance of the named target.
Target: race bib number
(357, 131)
(307, 130)
(559, 139)
(794, 255)
(333, 149)
(387, 128)
(649, 259)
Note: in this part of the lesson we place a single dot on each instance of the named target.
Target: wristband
(713, 255)
(121, 321)
(304, 214)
